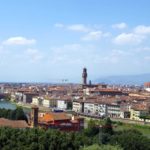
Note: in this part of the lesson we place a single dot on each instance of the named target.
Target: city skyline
(50, 41)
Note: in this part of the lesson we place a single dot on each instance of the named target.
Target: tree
(17, 114)
(20, 115)
(131, 140)
(144, 117)
(102, 147)
(107, 127)
(92, 128)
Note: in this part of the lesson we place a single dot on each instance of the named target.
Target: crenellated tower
(84, 76)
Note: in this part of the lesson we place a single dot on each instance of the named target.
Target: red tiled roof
(48, 117)
(13, 123)
(139, 107)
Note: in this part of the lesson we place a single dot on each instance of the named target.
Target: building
(57, 90)
(78, 106)
(138, 110)
(37, 101)
(49, 102)
(64, 103)
(98, 109)
(84, 76)
(125, 110)
(13, 123)
(103, 92)
(113, 110)
(27, 97)
(147, 86)
(61, 121)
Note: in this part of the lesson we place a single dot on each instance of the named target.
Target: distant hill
(125, 79)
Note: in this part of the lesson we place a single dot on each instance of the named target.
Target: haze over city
(46, 41)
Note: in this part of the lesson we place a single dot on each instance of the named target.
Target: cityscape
(74, 75)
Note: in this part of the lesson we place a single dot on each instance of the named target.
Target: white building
(62, 104)
(49, 102)
(35, 100)
(78, 106)
(113, 110)
(96, 109)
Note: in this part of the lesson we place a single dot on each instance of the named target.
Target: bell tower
(84, 76)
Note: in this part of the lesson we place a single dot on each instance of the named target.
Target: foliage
(17, 114)
(38, 139)
(144, 117)
(102, 147)
(104, 138)
(131, 140)
(92, 128)
(107, 127)
(144, 129)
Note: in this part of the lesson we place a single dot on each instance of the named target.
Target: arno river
(8, 105)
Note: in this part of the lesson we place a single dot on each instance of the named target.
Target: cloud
(59, 25)
(120, 25)
(18, 40)
(113, 57)
(137, 36)
(1, 48)
(141, 29)
(78, 28)
(128, 38)
(147, 58)
(142, 49)
(94, 35)
(34, 55)
(71, 53)
(74, 27)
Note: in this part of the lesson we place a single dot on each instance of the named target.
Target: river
(9, 105)
(6, 104)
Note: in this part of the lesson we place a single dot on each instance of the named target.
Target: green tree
(107, 127)
(102, 147)
(131, 140)
(92, 128)
(20, 115)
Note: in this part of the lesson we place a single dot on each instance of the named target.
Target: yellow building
(137, 111)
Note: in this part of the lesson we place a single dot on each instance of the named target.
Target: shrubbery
(95, 137)
(17, 114)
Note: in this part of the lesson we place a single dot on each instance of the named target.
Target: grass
(118, 126)
(145, 130)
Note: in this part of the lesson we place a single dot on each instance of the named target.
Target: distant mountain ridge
(125, 79)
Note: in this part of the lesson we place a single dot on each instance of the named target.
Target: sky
(53, 40)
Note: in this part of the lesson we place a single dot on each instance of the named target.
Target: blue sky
(51, 40)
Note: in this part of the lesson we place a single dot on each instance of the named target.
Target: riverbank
(29, 106)
(7, 104)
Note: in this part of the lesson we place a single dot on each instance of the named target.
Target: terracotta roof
(147, 84)
(105, 90)
(48, 117)
(139, 107)
(13, 123)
